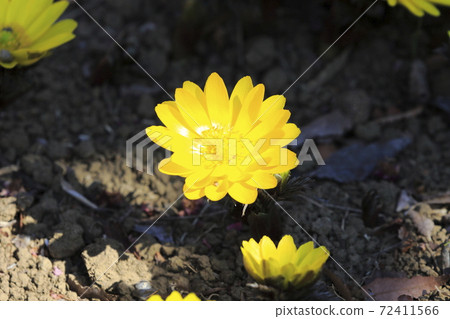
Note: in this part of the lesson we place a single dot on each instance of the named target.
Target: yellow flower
(225, 144)
(28, 30)
(420, 7)
(175, 296)
(284, 266)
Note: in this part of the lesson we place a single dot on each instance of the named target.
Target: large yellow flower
(28, 30)
(420, 7)
(284, 266)
(225, 144)
(175, 296)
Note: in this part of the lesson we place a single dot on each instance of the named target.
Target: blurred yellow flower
(225, 144)
(28, 30)
(420, 7)
(284, 266)
(175, 296)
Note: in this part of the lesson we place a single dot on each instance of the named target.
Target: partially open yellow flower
(420, 7)
(175, 296)
(225, 144)
(28, 30)
(284, 266)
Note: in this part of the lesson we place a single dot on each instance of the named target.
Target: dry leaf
(403, 233)
(159, 258)
(405, 201)
(391, 289)
(72, 192)
(423, 224)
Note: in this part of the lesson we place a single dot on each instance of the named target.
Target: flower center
(219, 145)
(9, 40)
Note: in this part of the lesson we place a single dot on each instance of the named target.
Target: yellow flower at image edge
(28, 30)
(175, 296)
(420, 7)
(284, 266)
(225, 144)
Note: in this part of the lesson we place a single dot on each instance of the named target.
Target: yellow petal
(315, 259)
(242, 193)
(412, 7)
(392, 2)
(167, 166)
(288, 273)
(286, 250)
(4, 4)
(290, 131)
(54, 42)
(427, 7)
(214, 193)
(252, 265)
(265, 128)
(302, 252)
(238, 95)
(252, 104)
(199, 178)
(174, 296)
(46, 19)
(271, 269)
(168, 139)
(217, 100)
(278, 161)
(59, 33)
(155, 298)
(14, 11)
(263, 180)
(442, 2)
(191, 297)
(270, 105)
(236, 175)
(193, 194)
(8, 65)
(192, 110)
(253, 247)
(195, 91)
(169, 114)
(267, 247)
(34, 10)
(31, 61)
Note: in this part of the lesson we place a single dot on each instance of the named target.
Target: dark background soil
(69, 116)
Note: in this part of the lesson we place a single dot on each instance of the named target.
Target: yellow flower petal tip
(28, 30)
(225, 143)
(175, 296)
(285, 266)
(421, 7)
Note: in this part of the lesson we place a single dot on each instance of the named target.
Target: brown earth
(68, 118)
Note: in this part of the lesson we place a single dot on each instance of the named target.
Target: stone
(24, 200)
(39, 167)
(85, 149)
(57, 150)
(67, 240)
(103, 265)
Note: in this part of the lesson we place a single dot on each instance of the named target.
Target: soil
(68, 118)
